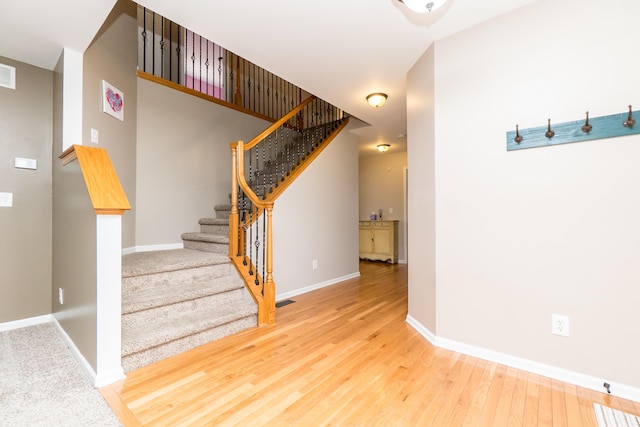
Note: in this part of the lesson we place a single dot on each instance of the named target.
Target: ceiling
(338, 50)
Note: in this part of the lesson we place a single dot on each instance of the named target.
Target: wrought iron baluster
(264, 247)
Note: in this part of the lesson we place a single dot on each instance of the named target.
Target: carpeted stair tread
(213, 221)
(158, 331)
(172, 293)
(206, 237)
(154, 354)
(144, 263)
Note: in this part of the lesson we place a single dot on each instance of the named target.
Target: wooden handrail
(266, 300)
(262, 135)
(271, 197)
(264, 295)
(100, 177)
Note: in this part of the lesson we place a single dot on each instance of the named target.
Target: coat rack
(576, 131)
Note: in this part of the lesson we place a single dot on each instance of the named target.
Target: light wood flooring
(344, 356)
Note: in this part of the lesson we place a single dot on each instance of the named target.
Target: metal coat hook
(630, 120)
(549, 133)
(518, 138)
(587, 127)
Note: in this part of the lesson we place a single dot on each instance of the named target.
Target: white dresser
(379, 240)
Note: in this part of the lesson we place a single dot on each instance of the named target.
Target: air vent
(7, 76)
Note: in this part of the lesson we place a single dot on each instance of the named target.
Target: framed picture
(112, 101)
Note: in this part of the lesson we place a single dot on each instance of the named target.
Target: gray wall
(25, 228)
(183, 161)
(525, 234)
(111, 57)
(382, 186)
(317, 218)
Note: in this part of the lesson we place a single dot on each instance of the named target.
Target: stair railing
(261, 170)
(174, 53)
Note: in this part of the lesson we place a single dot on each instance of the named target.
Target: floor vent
(284, 302)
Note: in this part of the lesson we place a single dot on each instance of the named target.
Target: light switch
(6, 200)
(22, 163)
(95, 135)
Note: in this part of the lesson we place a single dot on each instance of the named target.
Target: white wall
(421, 191)
(317, 218)
(521, 235)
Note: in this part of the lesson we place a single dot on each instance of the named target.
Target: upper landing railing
(172, 52)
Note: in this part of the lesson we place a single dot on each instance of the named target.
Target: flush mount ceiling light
(423, 6)
(383, 147)
(377, 100)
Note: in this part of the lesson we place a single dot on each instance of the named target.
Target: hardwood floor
(344, 356)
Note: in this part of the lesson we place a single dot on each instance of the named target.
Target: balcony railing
(172, 52)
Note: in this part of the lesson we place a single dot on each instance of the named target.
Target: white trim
(564, 375)
(421, 329)
(149, 248)
(320, 285)
(109, 299)
(72, 95)
(23, 323)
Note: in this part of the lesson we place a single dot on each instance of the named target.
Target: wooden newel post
(233, 216)
(269, 286)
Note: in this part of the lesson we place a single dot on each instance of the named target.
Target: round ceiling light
(423, 6)
(377, 100)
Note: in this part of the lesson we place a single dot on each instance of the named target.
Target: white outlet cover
(560, 325)
(6, 200)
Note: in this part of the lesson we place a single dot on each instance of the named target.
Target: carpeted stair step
(222, 211)
(151, 328)
(167, 292)
(178, 299)
(206, 242)
(163, 338)
(161, 268)
(214, 226)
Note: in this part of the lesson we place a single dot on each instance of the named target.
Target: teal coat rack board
(576, 131)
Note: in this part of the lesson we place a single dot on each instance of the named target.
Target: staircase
(178, 299)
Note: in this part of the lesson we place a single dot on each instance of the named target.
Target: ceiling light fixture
(423, 6)
(377, 100)
(383, 147)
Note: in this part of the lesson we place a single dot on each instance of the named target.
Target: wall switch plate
(6, 200)
(314, 264)
(560, 325)
(23, 163)
(390, 211)
(95, 136)
(61, 296)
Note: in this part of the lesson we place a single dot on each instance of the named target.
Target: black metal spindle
(264, 246)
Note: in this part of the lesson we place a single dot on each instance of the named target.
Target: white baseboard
(149, 248)
(564, 375)
(23, 323)
(76, 352)
(320, 285)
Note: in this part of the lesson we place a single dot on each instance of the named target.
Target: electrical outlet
(60, 296)
(314, 264)
(560, 325)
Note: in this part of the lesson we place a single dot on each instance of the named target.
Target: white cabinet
(379, 240)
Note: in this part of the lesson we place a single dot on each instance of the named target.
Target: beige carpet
(42, 383)
(608, 417)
